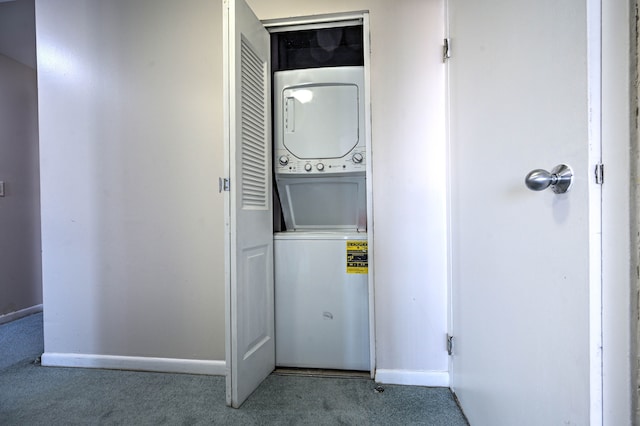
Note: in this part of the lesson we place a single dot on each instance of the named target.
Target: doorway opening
(250, 305)
(320, 109)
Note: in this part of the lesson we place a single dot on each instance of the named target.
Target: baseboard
(413, 377)
(12, 316)
(111, 362)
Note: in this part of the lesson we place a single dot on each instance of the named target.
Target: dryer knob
(308, 167)
(320, 167)
(283, 160)
(357, 157)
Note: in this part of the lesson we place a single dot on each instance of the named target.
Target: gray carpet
(20, 340)
(34, 395)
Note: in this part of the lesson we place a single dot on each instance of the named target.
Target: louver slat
(254, 140)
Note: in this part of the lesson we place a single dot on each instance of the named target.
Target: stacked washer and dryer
(322, 307)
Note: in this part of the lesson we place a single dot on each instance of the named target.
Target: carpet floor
(34, 395)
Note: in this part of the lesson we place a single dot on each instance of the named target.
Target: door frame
(293, 23)
(273, 25)
(619, 212)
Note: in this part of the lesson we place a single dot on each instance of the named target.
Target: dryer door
(319, 113)
(320, 120)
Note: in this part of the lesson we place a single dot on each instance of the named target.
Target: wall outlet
(1, 188)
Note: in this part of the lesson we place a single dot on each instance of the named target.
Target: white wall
(20, 276)
(131, 149)
(132, 224)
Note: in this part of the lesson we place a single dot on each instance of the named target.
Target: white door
(250, 333)
(524, 85)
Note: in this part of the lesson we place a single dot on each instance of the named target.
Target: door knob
(559, 179)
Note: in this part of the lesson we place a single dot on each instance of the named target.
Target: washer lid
(320, 235)
(323, 203)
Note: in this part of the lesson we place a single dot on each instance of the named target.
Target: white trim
(449, 191)
(12, 316)
(299, 22)
(413, 377)
(320, 25)
(226, 96)
(136, 363)
(594, 87)
(369, 183)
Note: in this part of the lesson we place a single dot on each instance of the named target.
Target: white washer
(322, 312)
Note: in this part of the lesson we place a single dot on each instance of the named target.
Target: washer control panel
(285, 162)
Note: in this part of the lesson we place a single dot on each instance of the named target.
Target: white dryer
(319, 148)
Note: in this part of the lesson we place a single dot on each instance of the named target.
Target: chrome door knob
(559, 179)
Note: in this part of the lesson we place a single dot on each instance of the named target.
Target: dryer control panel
(286, 163)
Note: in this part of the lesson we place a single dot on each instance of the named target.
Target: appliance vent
(254, 129)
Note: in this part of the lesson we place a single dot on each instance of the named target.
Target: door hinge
(449, 344)
(224, 184)
(599, 172)
(446, 50)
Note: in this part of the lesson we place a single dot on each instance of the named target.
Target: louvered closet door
(252, 355)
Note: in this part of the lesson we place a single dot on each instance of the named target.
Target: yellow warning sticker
(357, 257)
